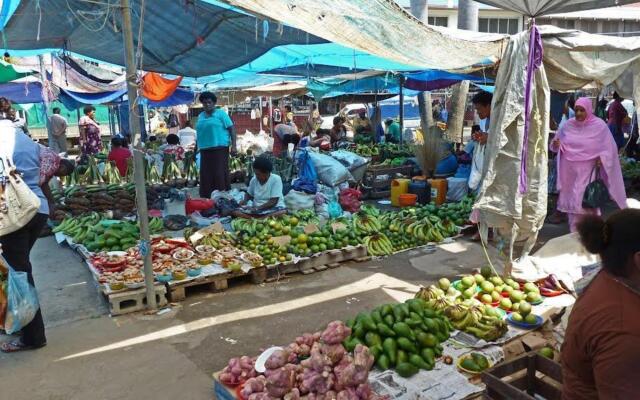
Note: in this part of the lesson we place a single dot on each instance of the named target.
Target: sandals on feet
(17, 345)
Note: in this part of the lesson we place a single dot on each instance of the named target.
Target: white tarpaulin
(382, 28)
(536, 8)
(572, 60)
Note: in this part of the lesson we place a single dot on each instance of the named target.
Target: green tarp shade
(9, 73)
(35, 114)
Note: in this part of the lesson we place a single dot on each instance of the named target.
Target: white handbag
(18, 203)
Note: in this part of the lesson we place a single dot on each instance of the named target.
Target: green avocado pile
(404, 336)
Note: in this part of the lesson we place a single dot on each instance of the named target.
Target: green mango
(390, 348)
(407, 345)
(385, 331)
(418, 361)
(383, 362)
(372, 339)
(406, 369)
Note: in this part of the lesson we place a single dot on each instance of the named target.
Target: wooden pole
(138, 153)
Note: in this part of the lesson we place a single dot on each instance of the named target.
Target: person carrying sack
(582, 144)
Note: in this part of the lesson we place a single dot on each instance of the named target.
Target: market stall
(435, 345)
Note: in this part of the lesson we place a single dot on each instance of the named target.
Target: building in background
(618, 21)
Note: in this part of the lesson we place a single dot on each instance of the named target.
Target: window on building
(631, 28)
(589, 26)
(439, 21)
(610, 27)
(498, 25)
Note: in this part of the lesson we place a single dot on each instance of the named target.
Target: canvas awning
(384, 29)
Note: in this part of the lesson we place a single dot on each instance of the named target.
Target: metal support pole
(138, 153)
(43, 77)
(401, 81)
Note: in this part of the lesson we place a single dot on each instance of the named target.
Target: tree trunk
(420, 10)
(467, 19)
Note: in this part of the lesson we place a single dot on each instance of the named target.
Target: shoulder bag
(596, 194)
(18, 203)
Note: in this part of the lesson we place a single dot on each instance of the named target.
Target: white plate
(262, 358)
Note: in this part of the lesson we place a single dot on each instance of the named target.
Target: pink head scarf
(586, 140)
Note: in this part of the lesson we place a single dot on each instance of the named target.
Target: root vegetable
(363, 391)
(294, 394)
(277, 360)
(253, 385)
(260, 396)
(335, 333)
(347, 394)
(281, 381)
(333, 352)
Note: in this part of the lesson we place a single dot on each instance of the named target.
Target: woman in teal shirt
(214, 135)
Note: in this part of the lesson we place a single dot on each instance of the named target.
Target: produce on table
(92, 174)
(111, 173)
(120, 198)
(190, 168)
(467, 315)
(547, 352)
(404, 336)
(315, 365)
(474, 362)
(97, 234)
(171, 171)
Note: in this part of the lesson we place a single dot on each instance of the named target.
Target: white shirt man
(58, 140)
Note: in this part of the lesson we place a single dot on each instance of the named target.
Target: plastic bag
(349, 159)
(296, 200)
(334, 209)
(457, 189)
(330, 171)
(350, 200)
(22, 302)
(307, 176)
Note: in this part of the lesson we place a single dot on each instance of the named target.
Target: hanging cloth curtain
(157, 88)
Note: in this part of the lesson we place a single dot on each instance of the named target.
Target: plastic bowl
(194, 271)
(178, 276)
(164, 278)
(407, 199)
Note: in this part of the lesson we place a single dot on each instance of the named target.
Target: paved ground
(93, 356)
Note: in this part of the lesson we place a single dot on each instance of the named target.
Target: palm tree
(420, 10)
(467, 19)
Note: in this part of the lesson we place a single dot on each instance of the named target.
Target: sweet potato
(335, 333)
(277, 360)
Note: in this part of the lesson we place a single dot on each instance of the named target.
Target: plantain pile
(378, 244)
(366, 224)
(469, 315)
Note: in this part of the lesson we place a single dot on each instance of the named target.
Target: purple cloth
(536, 53)
(581, 144)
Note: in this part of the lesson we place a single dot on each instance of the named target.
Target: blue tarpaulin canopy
(182, 38)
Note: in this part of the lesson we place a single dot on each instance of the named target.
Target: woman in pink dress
(583, 143)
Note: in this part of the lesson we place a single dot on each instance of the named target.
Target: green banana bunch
(366, 224)
(155, 225)
(111, 173)
(378, 244)
(92, 174)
